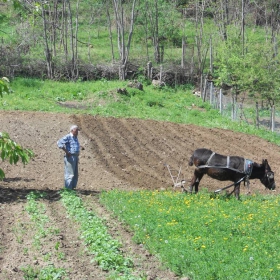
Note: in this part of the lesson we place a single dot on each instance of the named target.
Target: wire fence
(241, 108)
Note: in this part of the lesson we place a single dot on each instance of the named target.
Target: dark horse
(229, 168)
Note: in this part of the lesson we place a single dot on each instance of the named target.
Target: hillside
(125, 153)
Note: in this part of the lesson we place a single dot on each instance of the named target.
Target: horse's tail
(191, 161)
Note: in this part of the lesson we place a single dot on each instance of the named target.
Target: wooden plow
(176, 177)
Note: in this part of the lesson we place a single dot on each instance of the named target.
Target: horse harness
(247, 171)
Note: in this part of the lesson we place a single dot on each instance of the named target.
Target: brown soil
(119, 153)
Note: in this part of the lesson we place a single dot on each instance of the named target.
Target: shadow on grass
(10, 195)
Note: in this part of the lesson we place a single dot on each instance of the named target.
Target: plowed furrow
(105, 146)
(70, 252)
(148, 145)
(120, 154)
(148, 148)
(134, 150)
(129, 163)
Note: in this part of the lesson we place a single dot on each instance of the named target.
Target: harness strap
(248, 167)
(220, 167)
(228, 159)
(208, 161)
(234, 184)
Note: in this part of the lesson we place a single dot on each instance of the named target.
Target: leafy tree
(158, 21)
(9, 149)
(256, 72)
(4, 86)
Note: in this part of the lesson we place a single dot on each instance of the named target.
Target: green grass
(177, 104)
(204, 237)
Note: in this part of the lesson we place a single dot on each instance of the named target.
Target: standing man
(71, 146)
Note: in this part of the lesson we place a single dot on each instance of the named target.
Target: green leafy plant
(12, 151)
(42, 229)
(105, 249)
(51, 273)
(37, 214)
(30, 273)
(4, 86)
(46, 273)
(9, 149)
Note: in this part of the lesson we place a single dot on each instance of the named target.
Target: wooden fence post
(211, 93)
(204, 89)
(257, 116)
(272, 121)
(149, 70)
(220, 99)
(232, 108)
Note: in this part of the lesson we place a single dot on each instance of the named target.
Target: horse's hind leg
(196, 180)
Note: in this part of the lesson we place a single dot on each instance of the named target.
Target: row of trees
(56, 26)
(234, 44)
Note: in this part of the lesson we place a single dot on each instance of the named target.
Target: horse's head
(268, 179)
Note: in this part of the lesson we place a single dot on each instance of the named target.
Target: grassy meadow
(202, 236)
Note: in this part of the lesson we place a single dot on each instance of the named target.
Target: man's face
(75, 131)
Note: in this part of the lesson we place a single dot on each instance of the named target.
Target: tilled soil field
(127, 154)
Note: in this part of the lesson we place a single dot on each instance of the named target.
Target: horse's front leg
(197, 176)
(237, 191)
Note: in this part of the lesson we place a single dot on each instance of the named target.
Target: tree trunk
(110, 32)
(123, 50)
(64, 29)
(153, 14)
(156, 39)
(243, 28)
(54, 26)
(183, 59)
(199, 34)
(211, 57)
(146, 32)
(73, 42)
(272, 118)
(75, 62)
(48, 54)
